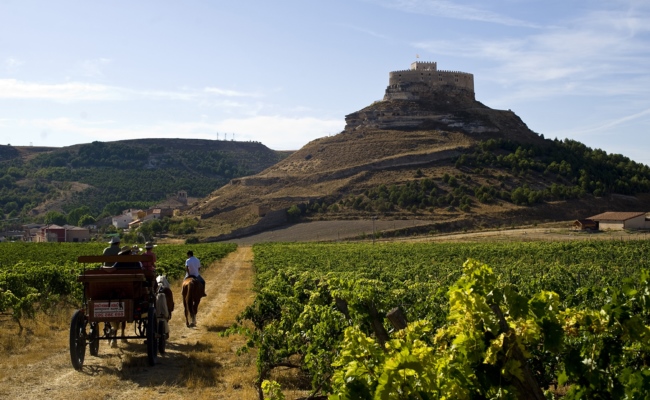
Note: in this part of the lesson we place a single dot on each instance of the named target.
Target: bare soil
(198, 362)
(328, 231)
(362, 229)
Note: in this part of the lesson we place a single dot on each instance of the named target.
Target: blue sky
(286, 72)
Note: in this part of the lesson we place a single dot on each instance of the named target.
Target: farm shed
(613, 220)
(585, 224)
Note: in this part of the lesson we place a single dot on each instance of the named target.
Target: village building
(585, 225)
(122, 221)
(150, 215)
(615, 220)
(56, 233)
(76, 234)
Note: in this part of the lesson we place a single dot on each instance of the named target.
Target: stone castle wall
(425, 77)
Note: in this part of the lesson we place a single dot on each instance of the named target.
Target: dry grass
(43, 335)
(199, 363)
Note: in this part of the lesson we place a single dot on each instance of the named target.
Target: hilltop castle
(428, 99)
(422, 94)
(424, 79)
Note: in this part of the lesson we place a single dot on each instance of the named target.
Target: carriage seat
(115, 283)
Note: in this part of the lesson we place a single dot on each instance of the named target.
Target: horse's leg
(190, 307)
(196, 307)
(184, 294)
(187, 310)
(113, 334)
(123, 326)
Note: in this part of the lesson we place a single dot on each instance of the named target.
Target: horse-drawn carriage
(115, 295)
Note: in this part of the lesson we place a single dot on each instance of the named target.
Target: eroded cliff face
(445, 109)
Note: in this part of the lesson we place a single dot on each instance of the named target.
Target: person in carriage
(113, 249)
(150, 266)
(124, 251)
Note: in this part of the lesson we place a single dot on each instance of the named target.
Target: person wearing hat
(124, 251)
(127, 251)
(112, 250)
(148, 251)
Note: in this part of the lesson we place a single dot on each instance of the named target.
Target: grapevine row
(310, 297)
(38, 275)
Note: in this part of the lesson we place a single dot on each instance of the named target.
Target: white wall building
(122, 221)
(612, 220)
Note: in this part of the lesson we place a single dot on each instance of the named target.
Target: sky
(286, 72)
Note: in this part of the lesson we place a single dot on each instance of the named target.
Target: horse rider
(192, 268)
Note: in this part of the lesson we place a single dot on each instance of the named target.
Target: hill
(109, 176)
(429, 151)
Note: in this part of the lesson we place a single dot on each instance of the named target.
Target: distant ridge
(36, 180)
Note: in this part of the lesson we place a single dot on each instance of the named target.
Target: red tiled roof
(616, 216)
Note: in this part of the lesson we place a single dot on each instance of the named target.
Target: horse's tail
(186, 292)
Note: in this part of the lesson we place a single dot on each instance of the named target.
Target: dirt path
(198, 362)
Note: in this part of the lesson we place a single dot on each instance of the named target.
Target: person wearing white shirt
(193, 268)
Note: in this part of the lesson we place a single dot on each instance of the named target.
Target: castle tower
(181, 196)
(424, 79)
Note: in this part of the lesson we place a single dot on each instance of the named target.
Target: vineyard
(36, 276)
(427, 321)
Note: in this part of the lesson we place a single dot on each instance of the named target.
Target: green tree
(75, 215)
(86, 220)
(146, 231)
(293, 213)
(55, 217)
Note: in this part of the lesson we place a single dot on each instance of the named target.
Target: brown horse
(192, 293)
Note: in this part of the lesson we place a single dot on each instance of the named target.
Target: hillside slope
(35, 180)
(440, 156)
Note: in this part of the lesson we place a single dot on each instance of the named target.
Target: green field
(321, 303)
(42, 274)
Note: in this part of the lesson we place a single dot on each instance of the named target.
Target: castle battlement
(455, 72)
(424, 77)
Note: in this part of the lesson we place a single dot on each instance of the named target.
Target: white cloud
(607, 125)
(81, 91)
(450, 9)
(592, 48)
(94, 68)
(66, 92)
(365, 31)
(12, 64)
(230, 93)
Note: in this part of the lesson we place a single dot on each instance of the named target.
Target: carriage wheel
(162, 339)
(94, 338)
(152, 342)
(78, 339)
